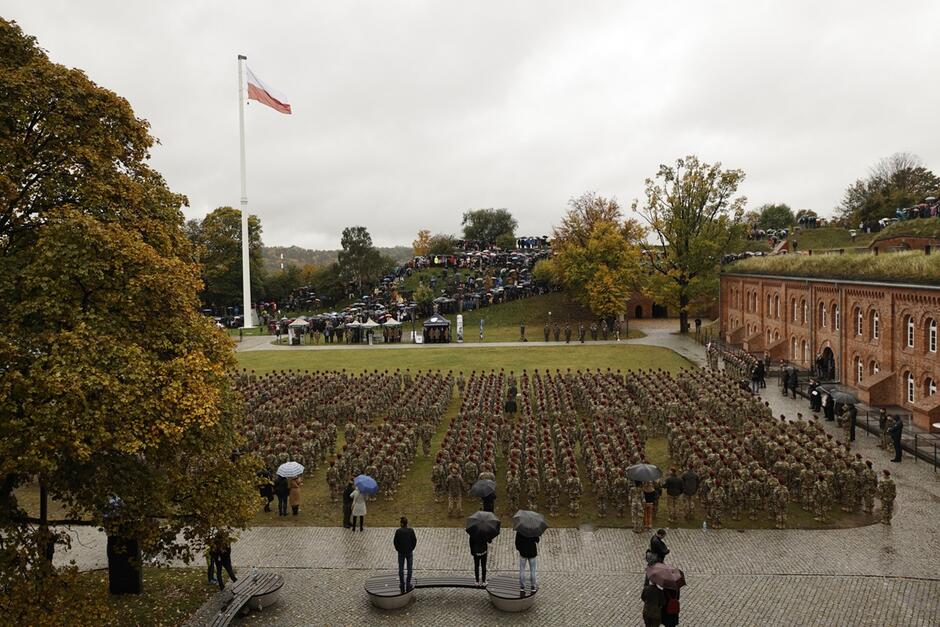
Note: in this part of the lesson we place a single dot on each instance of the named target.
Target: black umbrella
(483, 488)
(528, 523)
(644, 472)
(485, 523)
(839, 396)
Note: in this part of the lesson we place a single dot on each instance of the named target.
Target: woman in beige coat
(293, 498)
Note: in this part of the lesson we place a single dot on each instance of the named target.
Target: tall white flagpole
(246, 276)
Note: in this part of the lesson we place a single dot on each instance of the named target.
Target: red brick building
(880, 338)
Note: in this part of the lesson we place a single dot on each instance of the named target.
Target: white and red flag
(258, 90)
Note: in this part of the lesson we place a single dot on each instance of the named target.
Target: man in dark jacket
(281, 491)
(829, 408)
(528, 551)
(895, 432)
(658, 545)
(853, 419)
(793, 381)
(673, 492)
(405, 542)
(348, 503)
(689, 488)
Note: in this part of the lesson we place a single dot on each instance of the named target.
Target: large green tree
(218, 246)
(360, 263)
(597, 255)
(693, 215)
(113, 389)
(490, 226)
(775, 216)
(895, 182)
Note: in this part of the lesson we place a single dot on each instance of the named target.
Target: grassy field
(829, 237)
(921, 227)
(170, 596)
(563, 356)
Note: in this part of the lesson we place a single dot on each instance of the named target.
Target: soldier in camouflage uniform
(849, 489)
(349, 432)
(513, 489)
(601, 488)
(822, 499)
(470, 473)
(636, 507)
(553, 492)
(868, 487)
(532, 489)
(621, 491)
(454, 492)
(737, 495)
(780, 502)
(439, 479)
(332, 480)
(886, 494)
(753, 490)
(427, 432)
(715, 500)
(573, 487)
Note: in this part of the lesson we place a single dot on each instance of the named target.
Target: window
(909, 380)
(823, 315)
(777, 306)
(859, 371)
(804, 358)
(932, 335)
(858, 321)
(793, 349)
(770, 301)
(776, 335)
(873, 367)
(909, 323)
(930, 387)
(836, 322)
(793, 309)
(875, 325)
(805, 309)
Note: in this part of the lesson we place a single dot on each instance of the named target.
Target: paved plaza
(874, 575)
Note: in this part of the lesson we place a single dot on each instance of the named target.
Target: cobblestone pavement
(874, 575)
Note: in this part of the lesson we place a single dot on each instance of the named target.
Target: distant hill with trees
(300, 257)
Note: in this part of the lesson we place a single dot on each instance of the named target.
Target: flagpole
(246, 276)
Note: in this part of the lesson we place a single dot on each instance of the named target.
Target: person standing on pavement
(405, 542)
(528, 552)
(690, 482)
(658, 546)
(671, 609)
(883, 429)
(887, 492)
(853, 419)
(653, 602)
(829, 408)
(479, 547)
(347, 503)
(281, 491)
(895, 432)
(358, 509)
(793, 381)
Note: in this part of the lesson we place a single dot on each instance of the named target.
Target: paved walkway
(874, 575)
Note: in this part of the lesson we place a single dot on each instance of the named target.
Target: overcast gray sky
(406, 114)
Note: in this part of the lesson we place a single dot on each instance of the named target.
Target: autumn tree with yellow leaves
(114, 391)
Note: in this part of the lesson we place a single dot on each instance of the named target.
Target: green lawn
(574, 355)
(829, 237)
(906, 267)
(170, 596)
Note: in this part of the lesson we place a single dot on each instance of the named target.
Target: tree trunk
(48, 548)
(125, 575)
(683, 311)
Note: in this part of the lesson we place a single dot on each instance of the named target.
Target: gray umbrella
(528, 523)
(644, 472)
(484, 523)
(483, 488)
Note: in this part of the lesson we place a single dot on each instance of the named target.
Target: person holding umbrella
(481, 528)
(358, 508)
(670, 579)
(348, 503)
(485, 490)
(281, 491)
(653, 601)
(290, 488)
(529, 527)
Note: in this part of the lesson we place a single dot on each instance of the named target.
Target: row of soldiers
(386, 450)
(555, 331)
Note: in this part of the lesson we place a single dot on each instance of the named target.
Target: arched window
(932, 335)
(859, 370)
(805, 308)
(873, 367)
(909, 324)
(836, 322)
(858, 321)
(776, 335)
(777, 306)
(770, 301)
(823, 315)
(909, 381)
(793, 309)
(875, 325)
(769, 336)
(930, 387)
(804, 357)
(793, 349)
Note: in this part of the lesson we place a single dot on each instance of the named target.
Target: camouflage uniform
(822, 499)
(439, 479)
(553, 493)
(513, 490)
(454, 492)
(573, 486)
(869, 486)
(780, 501)
(636, 508)
(332, 480)
(532, 490)
(601, 489)
(886, 494)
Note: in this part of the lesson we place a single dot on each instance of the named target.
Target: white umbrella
(289, 470)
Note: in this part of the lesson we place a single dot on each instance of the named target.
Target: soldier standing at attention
(553, 492)
(636, 507)
(532, 489)
(454, 492)
(780, 501)
(887, 491)
(869, 486)
(822, 499)
(522, 331)
(573, 486)
(546, 331)
(601, 488)
(556, 331)
(567, 333)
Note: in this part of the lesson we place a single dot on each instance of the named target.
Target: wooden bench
(385, 592)
(250, 592)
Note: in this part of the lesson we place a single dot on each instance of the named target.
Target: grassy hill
(922, 227)
(909, 267)
(830, 237)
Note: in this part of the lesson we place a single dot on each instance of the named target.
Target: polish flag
(264, 94)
